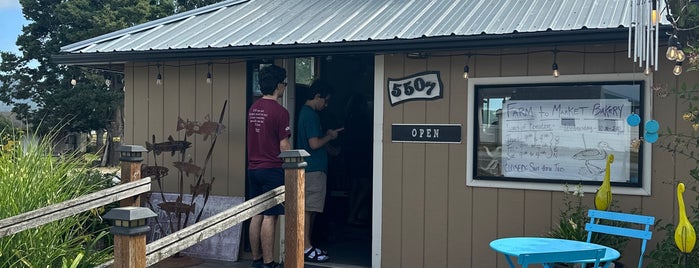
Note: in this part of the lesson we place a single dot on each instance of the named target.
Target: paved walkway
(190, 262)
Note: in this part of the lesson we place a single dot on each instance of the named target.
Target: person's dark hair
(270, 76)
(318, 87)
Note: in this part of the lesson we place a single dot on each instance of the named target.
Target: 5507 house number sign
(420, 86)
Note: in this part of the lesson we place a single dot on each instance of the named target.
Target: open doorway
(344, 228)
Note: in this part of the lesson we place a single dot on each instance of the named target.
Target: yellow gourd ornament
(603, 197)
(685, 237)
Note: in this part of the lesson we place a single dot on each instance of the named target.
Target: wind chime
(643, 34)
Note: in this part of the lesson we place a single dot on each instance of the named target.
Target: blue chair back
(561, 256)
(645, 234)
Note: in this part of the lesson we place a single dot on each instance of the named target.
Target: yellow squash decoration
(603, 198)
(685, 237)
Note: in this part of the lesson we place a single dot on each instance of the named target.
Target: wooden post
(129, 230)
(294, 206)
(131, 158)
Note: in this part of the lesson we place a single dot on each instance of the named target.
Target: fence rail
(38, 217)
(171, 244)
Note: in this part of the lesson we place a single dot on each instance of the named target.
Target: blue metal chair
(595, 227)
(548, 258)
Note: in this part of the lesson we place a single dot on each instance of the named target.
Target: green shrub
(30, 178)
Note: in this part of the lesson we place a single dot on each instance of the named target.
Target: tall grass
(31, 178)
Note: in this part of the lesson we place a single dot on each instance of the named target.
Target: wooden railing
(35, 218)
(169, 245)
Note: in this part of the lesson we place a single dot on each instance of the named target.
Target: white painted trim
(645, 190)
(378, 162)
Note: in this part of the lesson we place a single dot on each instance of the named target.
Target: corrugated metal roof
(236, 23)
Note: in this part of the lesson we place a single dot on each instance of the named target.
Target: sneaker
(273, 265)
(257, 264)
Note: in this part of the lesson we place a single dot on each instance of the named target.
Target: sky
(11, 22)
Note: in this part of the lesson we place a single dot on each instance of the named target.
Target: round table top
(515, 246)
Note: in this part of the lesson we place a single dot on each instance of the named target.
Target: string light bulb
(107, 82)
(73, 82)
(671, 53)
(680, 54)
(677, 70)
(554, 67)
(208, 74)
(159, 77)
(468, 58)
(647, 71)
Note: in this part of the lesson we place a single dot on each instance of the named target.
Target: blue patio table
(515, 246)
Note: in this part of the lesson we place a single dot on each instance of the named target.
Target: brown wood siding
(432, 219)
(152, 109)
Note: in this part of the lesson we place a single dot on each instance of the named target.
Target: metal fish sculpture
(171, 145)
(156, 172)
(203, 188)
(187, 167)
(189, 126)
(207, 128)
(177, 207)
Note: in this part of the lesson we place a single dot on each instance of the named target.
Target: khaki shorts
(316, 183)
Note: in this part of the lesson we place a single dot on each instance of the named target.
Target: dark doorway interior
(344, 229)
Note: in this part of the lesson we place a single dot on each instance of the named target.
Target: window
(541, 132)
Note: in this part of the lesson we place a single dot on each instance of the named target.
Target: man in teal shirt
(312, 139)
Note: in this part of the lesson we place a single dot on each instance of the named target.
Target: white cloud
(9, 4)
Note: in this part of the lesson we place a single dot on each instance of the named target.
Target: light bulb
(73, 82)
(671, 53)
(555, 70)
(466, 72)
(677, 70)
(680, 56)
(159, 79)
(107, 82)
(208, 78)
(647, 71)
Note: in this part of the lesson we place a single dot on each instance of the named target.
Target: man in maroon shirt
(267, 135)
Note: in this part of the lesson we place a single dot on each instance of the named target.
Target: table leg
(512, 265)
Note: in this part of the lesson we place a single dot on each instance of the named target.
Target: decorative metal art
(179, 210)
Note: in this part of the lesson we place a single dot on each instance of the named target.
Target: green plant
(573, 218)
(30, 178)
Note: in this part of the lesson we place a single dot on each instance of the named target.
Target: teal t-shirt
(309, 127)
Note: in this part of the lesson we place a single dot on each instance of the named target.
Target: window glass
(305, 70)
(558, 133)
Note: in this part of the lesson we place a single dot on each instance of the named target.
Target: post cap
(129, 221)
(131, 153)
(294, 154)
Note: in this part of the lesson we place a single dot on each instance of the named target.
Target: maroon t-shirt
(268, 124)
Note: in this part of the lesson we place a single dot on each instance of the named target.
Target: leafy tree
(41, 91)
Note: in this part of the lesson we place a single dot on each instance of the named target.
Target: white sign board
(566, 139)
(222, 246)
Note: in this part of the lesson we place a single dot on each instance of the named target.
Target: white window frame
(644, 190)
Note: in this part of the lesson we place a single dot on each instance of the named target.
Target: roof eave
(548, 38)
